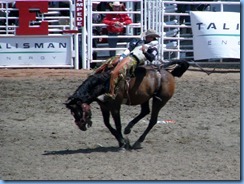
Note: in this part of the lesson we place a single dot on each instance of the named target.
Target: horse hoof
(137, 145)
(126, 145)
(122, 149)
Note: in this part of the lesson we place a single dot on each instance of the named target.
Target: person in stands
(104, 6)
(116, 24)
(138, 52)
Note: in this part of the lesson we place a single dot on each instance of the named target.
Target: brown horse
(148, 82)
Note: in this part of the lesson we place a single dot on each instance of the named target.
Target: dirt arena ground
(39, 140)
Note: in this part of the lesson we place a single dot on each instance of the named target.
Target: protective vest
(137, 51)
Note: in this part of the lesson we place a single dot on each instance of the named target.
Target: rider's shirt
(150, 53)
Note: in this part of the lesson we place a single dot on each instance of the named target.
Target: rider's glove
(122, 56)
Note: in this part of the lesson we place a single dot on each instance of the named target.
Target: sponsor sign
(36, 51)
(25, 17)
(215, 35)
(79, 12)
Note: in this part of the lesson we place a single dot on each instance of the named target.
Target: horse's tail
(179, 70)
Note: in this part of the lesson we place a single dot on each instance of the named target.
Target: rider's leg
(108, 64)
(121, 68)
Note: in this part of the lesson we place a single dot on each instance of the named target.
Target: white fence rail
(132, 31)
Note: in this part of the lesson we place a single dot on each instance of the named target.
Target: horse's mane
(91, 88)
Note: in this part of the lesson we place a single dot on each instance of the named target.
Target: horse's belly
(136, 97)
(137, 101)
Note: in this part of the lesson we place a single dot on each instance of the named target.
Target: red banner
(79, 9)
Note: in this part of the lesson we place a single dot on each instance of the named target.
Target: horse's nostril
(83, 128)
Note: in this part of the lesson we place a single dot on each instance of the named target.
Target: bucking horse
(147, 82)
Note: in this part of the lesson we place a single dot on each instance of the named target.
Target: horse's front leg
(115, 132)
(116, 116)
(145, 110)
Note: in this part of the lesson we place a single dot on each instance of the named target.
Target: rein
(208, 73)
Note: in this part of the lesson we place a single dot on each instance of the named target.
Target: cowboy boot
(108, 96)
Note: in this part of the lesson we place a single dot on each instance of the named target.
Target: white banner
(215, 35)
(35, 51)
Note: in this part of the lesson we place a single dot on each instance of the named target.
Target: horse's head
(81, 112)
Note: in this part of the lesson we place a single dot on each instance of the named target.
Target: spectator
(104, 6)
(115, 25)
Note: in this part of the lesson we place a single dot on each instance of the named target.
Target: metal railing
(102, 49)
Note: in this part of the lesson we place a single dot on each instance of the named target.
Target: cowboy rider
(138, 52)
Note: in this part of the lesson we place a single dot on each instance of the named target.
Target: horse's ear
(69, 103)
(69, 106)
(72, 103)
(78, 102)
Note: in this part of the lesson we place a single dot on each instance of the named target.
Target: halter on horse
(158, 84)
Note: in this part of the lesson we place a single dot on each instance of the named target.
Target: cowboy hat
(151, 32)
(116, 3)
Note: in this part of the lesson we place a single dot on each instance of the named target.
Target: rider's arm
(127, 19)
(134, 43)
(151, 53)
(108, 19)
(131, 45)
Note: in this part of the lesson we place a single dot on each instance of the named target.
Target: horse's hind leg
(156, 106)
(145, 110)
